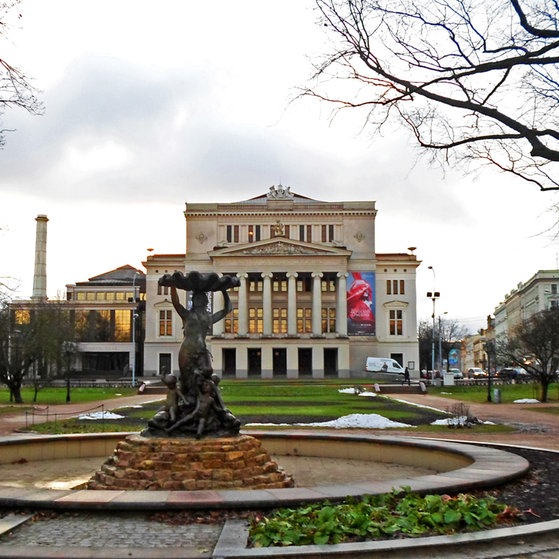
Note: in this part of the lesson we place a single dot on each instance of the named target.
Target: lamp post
(490, 350)
(433, 295)
(440, 342)
(134, 317)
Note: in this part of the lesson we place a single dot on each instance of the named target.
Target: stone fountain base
(141, 463)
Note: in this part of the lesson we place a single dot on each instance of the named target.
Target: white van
(383, 365)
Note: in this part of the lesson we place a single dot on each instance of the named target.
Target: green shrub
(396, 514)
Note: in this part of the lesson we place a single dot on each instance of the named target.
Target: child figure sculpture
(200, 409)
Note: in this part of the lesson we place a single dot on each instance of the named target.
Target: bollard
(496, 396)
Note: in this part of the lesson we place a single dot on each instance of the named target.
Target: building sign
(361, 304)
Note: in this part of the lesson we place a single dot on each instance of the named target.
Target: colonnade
(267, 304)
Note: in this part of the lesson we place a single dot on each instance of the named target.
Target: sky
(152, 105)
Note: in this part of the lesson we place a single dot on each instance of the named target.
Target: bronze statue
(196, 407)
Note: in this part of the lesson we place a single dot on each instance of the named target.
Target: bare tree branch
(474, 80)
(16, 89)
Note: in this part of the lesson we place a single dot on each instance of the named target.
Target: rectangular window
(327, 285)
(255, 320)
(305, 233)
(279, 321)
(554, 289)
(253, 233)
(255, 284)
(166, 323)
(328, 320)
(304, 320)
(279, 285)
(395, 287)
(232, 322)
(327, 233)
(304, 284)
(232, 234)
(123, 326)
(396, 323)
(162, 289)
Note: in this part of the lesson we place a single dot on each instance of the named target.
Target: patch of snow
(527, 401)
(101, 415)
(358, 391)
(352, 421)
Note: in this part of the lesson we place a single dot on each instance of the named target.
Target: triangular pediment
(279, 246)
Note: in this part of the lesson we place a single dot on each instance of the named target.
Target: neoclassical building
(315, 299)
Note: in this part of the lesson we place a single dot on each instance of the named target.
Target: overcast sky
(153, 104)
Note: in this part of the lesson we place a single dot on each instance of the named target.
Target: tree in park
(534, 346)
(16, 90)
(34, 344)
(474, 81)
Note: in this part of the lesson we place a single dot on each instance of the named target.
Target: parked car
(457, 373)
(476, 372)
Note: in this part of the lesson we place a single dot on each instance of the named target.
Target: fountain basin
(460, 467)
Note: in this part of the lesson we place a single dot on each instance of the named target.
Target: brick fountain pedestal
(143, 463)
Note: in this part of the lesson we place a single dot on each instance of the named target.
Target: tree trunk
(545, 387)
(16, 393)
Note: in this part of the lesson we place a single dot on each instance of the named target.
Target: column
(267, 303)
(318, 361)
(341, 304)
(292, 362)
(267, 361)
(291, 303)
(316, 304)
(218, 305)
(243, 305)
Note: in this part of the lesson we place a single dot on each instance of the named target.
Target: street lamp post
(440, 342)
(134, 317)
(433, 295)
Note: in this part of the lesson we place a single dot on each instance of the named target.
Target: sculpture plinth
(187, 464)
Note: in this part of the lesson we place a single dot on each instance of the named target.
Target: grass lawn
(509, 392)
(52, 396)
(272, 401)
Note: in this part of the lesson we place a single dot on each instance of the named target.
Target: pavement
(93, 534)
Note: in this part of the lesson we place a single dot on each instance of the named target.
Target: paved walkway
(134, 535)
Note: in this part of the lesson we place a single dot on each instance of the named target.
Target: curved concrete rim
(481, 467)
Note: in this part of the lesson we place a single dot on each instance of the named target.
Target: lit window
(328, 320)
(166, 323)
(279, 285)
(232, 322)
(396, 323)
(255, 320)
(253, 233)
(304, 320)
(279, 321)
(123, 326)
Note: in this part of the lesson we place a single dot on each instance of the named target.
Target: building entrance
(229, 362)
(305, 361)
(331, 361)
(254, 356)
(280, 361)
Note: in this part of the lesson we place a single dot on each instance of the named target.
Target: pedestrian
(407, 376)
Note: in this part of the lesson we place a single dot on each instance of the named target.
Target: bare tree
(534, 346)
(16, 90)
(474, 81)
(34, 344)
